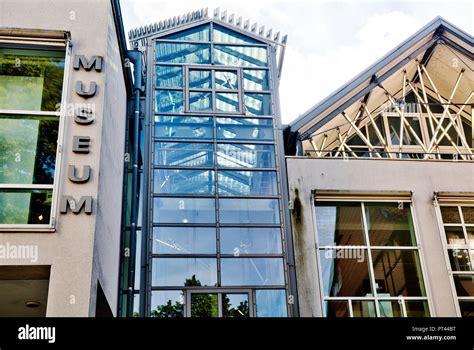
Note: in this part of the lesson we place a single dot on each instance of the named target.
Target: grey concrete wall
(83, 248)
(423, 178)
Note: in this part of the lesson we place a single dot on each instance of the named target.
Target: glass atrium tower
(211, 238)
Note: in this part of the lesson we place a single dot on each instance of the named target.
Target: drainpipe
(135, 57)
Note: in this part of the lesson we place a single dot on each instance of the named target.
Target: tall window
(31, 84)
(458, 225)
(216, 225)
(369, 260)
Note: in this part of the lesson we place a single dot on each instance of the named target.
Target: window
(369, 260)
(458, 227)
(31, 84)
(214, 90)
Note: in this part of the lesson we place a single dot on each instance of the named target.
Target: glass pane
(470, 236)
(336, 309)
(200, 79)
(467, 308)
(190, 272)
(408, 138)
(169, 101)
(450, 215)
(363, 308)
(167, 303)
(271, 303)
(204, 305)
(227, 102)
(226, 80)
(454, 235)
(200, 101)
(31, 79)
(244, 129)
(417, 308)
(184, 240)
(28, 149)
(25, 206)
(258, 104)
(184, 154)
(246, 240)
(184, 127)
(345, 273)
(200, 33)
(339, 224)
(468, 214)
(235, 305)
(397, 272)
(183, 53)
(464, 285)
(252, 272)
(390, 308)
(245, 156)
(225, 35)
(247, 183)
(169, 76)
(374, 140)
(244, 56)
(390, 224)
(459, 259)
(256, 80)
(180, 181)
(249, 211)
(184, 210)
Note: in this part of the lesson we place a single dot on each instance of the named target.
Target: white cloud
(329, 42)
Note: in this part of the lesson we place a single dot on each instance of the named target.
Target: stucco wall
(423, 178)
(84, 248)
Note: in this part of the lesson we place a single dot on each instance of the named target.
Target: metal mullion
(181, 140)
(349, 305)
(219, 305)
(464, 229)
(181, 195)
(216, 193)
(184, 256)
(173, 167)
(242, 44)
(252, 225)
(369, 258)
(403, 307)
(172, 224)
(254, 255)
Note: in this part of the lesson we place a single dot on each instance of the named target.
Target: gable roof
(420, 46)
(200, 17)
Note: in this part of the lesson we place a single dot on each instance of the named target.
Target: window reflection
(25, 206)
(204, 305)
(184, 154)
(245, 156)
(235, 305)
(183, 53)
(184, 210)
(271, 303)
(169, 101)
(252, 272)
(336, 309)
(249, 211)
(247, 183)
(397, 272)
(189, 272)
(180, 181)
(244, 56)
(167, 303)
(244, 129)
(258, 104)
(169, 76)
(178, 127)
(184, 240)
(250, 240)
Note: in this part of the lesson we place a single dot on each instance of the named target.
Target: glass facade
(369, 260)
(458, 225)
(31, 83)
(215, 227)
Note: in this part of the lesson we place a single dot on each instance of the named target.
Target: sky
(329, 42)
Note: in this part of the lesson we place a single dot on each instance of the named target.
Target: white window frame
(375, 298)
(459, 205)
(50, 227)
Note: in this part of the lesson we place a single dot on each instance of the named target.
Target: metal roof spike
(284, 39)
(224, 16)
(188, 17)
(216, 13)
(246, 24)
(205, 13)
(277, 36)
(261, 31)
(269, 34)
(253, 29)
(238, 22)
(231, 19)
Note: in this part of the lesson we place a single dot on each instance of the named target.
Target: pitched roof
(199, 17)
(419, 46)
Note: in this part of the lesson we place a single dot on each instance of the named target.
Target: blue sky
(329, 42)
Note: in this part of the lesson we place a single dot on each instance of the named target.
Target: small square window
(200, 101)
